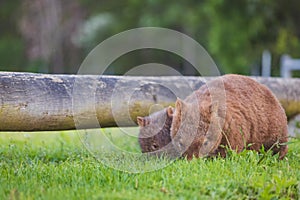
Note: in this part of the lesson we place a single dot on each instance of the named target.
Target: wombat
(231, 110)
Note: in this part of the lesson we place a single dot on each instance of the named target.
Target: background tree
(47, 27)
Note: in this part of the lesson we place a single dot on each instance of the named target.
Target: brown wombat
(231, 110)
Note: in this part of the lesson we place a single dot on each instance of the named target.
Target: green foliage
(298, 124)
(234, 32)
(55, 166)
(12, 51)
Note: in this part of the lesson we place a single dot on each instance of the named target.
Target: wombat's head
(155, 130)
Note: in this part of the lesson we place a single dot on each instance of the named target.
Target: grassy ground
(57, 166)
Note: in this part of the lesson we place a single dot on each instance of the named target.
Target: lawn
(68, 165)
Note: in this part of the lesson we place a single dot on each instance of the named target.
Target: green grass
(55, 165)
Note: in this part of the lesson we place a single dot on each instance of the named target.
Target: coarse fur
(253, 118)
(248, 117)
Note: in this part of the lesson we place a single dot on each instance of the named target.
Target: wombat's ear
(170, 111)
(142, 121)
(179, 104)
(214, 106)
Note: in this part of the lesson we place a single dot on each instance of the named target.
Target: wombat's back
(253, 117)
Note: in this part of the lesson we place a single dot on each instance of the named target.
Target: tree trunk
(47, 27)
(32, 102)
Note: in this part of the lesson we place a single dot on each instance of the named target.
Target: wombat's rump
(247, 116)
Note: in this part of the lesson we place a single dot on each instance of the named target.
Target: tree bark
(43, 102)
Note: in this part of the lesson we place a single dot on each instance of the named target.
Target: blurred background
(54, 36)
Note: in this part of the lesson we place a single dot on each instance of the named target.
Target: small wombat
(246, 115)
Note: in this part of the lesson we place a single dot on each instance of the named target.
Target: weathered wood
(32, 102)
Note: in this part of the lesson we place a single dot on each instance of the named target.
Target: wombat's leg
(211, 142)
(282, 151)
(280, 147)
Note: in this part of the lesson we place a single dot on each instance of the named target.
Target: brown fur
(252, 115)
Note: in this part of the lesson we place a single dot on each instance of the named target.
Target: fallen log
(44, 102)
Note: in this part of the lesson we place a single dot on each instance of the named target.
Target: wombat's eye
(154, 146)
